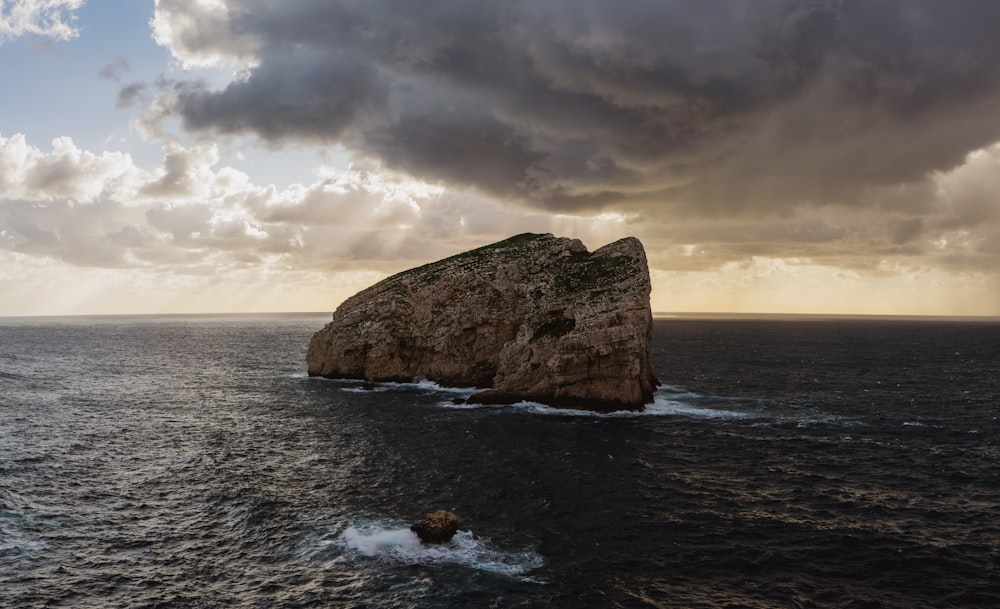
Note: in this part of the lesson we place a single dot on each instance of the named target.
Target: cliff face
(533, 317)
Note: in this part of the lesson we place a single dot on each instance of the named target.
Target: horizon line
(706, 315)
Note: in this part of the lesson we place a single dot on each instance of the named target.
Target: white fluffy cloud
(198, 33)
(65, 172)
(365, 216)
(190, 217)
(50, 18)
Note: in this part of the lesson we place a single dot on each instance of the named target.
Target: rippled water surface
(188, 462)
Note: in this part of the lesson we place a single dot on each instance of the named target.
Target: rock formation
(439, 527)
(534, 317)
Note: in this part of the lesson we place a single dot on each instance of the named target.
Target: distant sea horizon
(710, 315)
(705, 315)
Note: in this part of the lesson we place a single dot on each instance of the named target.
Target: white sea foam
(398, 544)
(668, 407)
(364, 389)
(661, 407)
(462, 405)
(425, 385)
(356, 386)
(673, 388)
(542, 409)
(669, 401)
(395, 542)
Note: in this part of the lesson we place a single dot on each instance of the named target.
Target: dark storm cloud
(710, 104)
(461, 148)
(297, 93)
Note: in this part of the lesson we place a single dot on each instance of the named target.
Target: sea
(189, 462)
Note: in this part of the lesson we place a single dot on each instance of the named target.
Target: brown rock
(439, 527)
(534, 317)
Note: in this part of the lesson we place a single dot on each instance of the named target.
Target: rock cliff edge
(534, 317)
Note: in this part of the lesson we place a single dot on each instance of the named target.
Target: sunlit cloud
(191, 217)
(199, 33)
(49, 18)
(65, 171)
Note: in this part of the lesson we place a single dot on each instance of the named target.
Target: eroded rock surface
(437, 527)
(534, 317)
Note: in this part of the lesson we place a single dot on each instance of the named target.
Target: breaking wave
(394, 542)
(668, 401)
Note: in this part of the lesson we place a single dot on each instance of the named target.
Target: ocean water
(188, 462)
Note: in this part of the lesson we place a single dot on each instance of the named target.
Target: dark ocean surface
(188, 462)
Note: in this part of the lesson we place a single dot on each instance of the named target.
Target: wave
(359, 386)
(659, 408)
(664, 404)
(668, 401)
(668, 407)
(18, 530)
(394, 542)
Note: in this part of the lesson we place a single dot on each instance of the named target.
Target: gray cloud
(115, 70)
(685, 106)
(296, 93)
(128, 94)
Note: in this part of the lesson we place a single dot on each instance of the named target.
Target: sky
(773, 156)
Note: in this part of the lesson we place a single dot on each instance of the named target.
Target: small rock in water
(439, 527)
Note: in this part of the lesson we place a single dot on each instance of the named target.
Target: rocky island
(534, 317)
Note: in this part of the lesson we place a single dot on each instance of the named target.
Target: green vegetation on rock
(466, 261)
